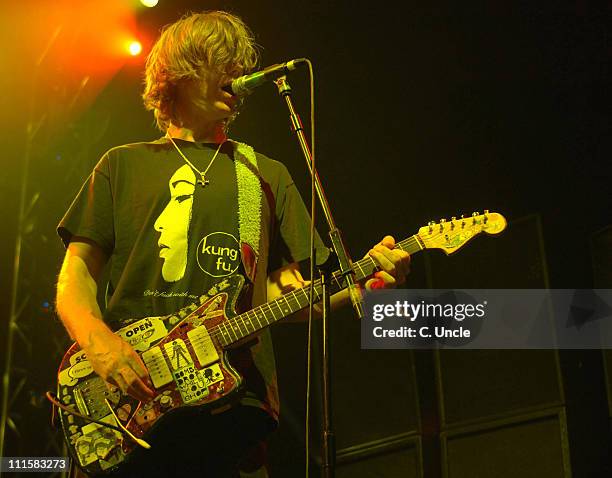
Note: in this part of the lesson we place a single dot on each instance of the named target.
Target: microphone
(246, 84)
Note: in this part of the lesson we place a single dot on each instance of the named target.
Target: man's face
(206, 100)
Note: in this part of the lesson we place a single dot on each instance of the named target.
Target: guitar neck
(265, 315)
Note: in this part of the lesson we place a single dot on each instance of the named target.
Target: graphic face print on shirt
(173, 224)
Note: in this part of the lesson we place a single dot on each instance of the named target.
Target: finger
(135, 386)
(294, 286)
(388, 241)
(400, 260)
(140, 368)
(404, 262)
(111, 385)
(374, 283)
(388, 279)
(120, 382)
(140, 391)
(382, 256)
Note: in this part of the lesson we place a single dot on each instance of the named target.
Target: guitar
(189, 364)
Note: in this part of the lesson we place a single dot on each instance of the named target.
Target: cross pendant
(203, 181)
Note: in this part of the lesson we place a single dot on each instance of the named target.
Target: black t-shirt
(170, 239)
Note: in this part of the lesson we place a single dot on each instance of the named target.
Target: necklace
(202, 181)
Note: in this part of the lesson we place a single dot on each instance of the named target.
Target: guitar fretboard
(256, 319)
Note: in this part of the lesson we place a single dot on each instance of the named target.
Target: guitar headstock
(451, 235)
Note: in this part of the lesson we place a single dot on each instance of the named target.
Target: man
(176, 216)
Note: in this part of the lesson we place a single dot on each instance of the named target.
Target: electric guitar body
(187, 364)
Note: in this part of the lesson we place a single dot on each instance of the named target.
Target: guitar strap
(250, 205)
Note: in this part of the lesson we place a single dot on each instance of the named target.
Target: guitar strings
(219, 331)
(244, 319)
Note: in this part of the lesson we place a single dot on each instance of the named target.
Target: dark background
(423, 112)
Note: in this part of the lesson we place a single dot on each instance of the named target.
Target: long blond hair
(210, 40)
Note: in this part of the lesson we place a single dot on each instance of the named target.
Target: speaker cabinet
(394, 457)
(374, 391)
(374, 398)
(601, 255)
(481, 384)
(529, 446)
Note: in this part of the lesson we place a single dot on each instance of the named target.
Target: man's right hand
(110, 356)
(118, 363)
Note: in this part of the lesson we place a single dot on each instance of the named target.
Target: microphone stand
(346, 272)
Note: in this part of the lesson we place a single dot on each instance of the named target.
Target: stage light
(135, 48)
(149, 3)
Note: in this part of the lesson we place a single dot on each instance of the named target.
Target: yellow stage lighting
(149, 3)
(135, 48)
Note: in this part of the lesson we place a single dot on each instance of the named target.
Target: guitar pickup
(158, 368)
(203, 346)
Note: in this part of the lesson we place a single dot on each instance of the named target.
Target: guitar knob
(165, 401)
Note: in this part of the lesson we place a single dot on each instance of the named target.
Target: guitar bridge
(89, 397)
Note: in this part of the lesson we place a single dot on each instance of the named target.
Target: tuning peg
(486, 217)
(474, 215)
(453, 219)
(431, 225)
(462, 221)
(442, 222)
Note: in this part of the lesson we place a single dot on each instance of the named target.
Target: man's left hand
(394, 265)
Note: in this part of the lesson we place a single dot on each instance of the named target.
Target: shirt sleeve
(91, 213)
(292, 241)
